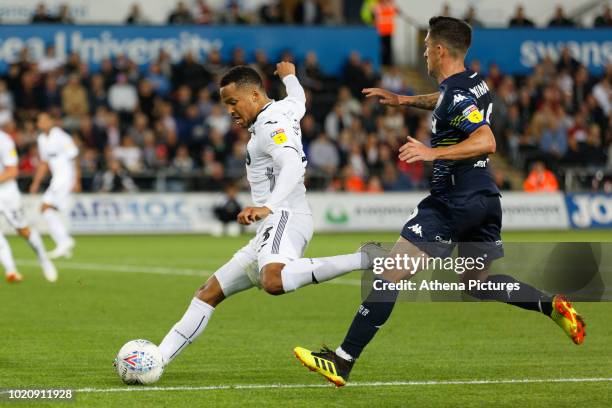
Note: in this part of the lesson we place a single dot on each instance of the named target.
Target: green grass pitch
(118, 288)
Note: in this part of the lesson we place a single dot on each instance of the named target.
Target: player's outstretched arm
(9, 173)
(41, 172)
(295, 93)
(427, 101)
(480, 142)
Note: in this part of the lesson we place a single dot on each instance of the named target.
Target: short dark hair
(454, 33)
(242, 75)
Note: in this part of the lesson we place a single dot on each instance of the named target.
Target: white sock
(57, 229)
(305, 271)
(343, 354)
(37, 245)
(6, 256)
(186, 330)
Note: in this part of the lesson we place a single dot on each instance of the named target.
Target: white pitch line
(351, 385)
(157, 270)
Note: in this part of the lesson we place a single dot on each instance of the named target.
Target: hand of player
(77, 188)
(284, 68)
(414, 151)
(386, 97)
(252, 214)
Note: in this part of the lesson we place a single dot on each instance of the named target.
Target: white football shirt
(276, 127)
(8, 158)
(58, 149)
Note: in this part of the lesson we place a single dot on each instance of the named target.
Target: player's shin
(371, 315)
(186, 330)
(57, 229)
(36, 243)
(6, 256)
(305, 271)
(522, 295)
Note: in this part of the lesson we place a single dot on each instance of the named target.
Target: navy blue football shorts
(437, 225)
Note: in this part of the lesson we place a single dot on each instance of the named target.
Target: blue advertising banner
(142, 44)
(589, 210)
(518, 50)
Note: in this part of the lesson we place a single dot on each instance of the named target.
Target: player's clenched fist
(284, 68)
(252, 214)
(414, 151)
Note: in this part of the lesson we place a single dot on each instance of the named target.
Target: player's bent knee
(271, 280)
(211, 292)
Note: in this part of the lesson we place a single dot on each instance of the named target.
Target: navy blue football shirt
(465, 104)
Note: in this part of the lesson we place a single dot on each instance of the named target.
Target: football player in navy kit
(463, 208)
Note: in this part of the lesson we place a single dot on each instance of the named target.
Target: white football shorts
(281, 238)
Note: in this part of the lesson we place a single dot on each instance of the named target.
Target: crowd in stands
(130, 123)
(133, 124)
(308, 12)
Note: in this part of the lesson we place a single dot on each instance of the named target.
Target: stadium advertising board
(524, 48)
(142, 44)
(192, 213)
(590, 210)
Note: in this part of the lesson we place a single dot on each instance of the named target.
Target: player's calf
(211, 292)
(271, 279)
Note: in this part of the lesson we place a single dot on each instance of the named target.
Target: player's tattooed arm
(427, 101)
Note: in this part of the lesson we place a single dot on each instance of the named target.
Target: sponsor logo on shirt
(279, 136)
(473, 114)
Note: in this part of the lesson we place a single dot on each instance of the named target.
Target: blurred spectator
(41, 16)
(50, 61)
(116, 180)
(471, 19)
(603, 91)
(559, 19)
(122, 96)
(323, 155)
(374, 185)
(567, 61)
(180, 15)
(540, 179)
(353, 183)
(519, 19)
(128, 154)
(228, 208)
(384, 20)
(605, 19)
(182, 162)
(234, 14)
(501, 180)
(202, 13)
(308, 12)
(271, 13)
(63, 16)
(135, 17)
(74, 100)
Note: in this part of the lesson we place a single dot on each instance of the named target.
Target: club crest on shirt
(473, 114)
(279, 136)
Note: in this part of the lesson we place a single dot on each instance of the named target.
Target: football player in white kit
(11, 208)
(275, 164)
(58, 153)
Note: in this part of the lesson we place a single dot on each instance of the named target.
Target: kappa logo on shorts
(416, 229)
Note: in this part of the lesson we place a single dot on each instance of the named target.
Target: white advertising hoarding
(333, 212)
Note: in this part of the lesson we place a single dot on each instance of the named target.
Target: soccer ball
(139, 362)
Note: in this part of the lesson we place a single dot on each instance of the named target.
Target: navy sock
(372, 314)
(527, 297)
